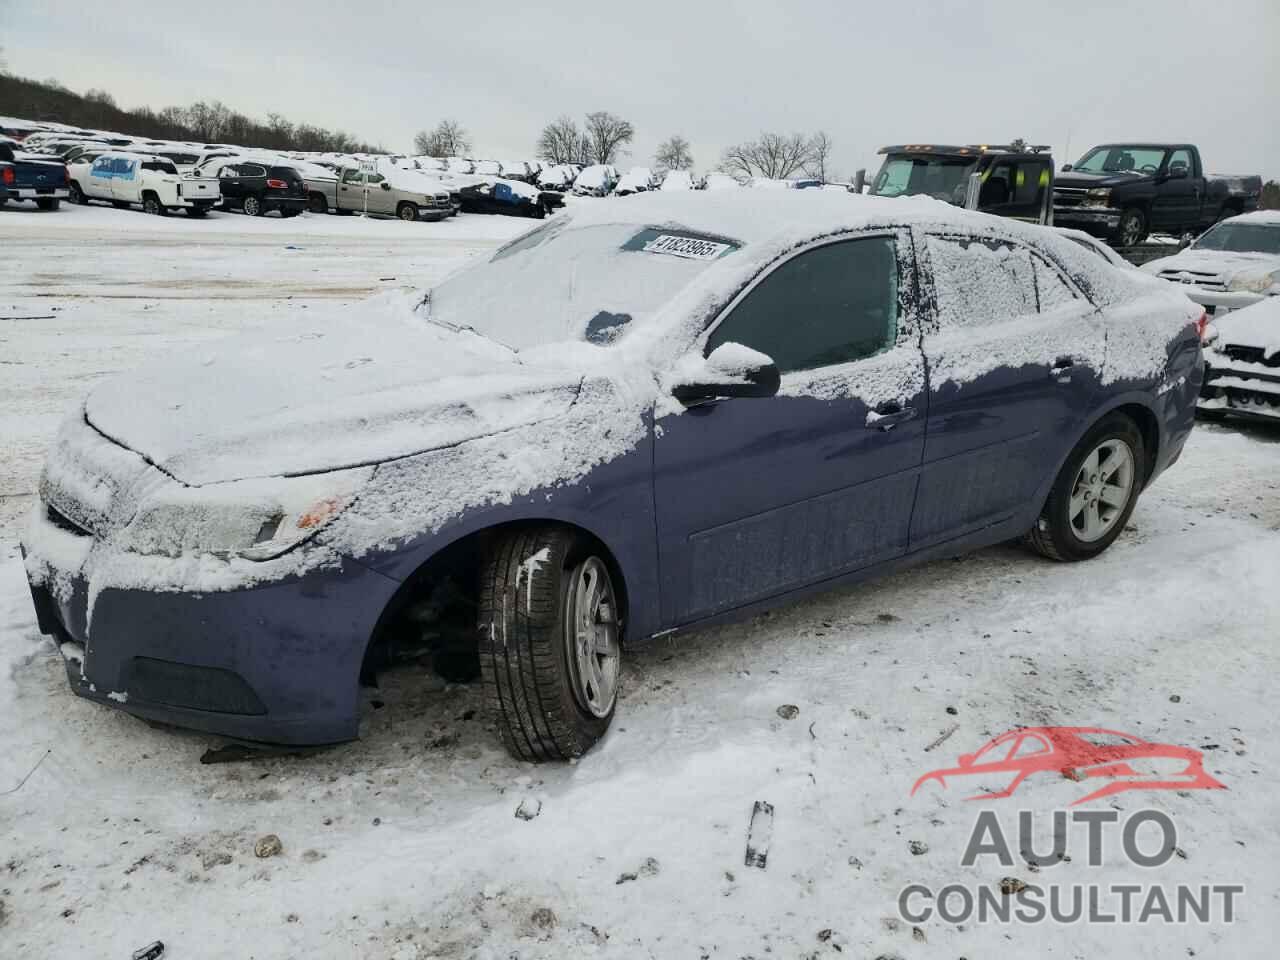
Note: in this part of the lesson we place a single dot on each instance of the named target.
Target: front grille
(1068, 196)
(62, 522)
(1206, 281)
(1250, 355)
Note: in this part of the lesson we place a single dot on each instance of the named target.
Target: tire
(252, 206)
(407, 211)
(534, 584)
(76, 195)
(151, 204)
(1133, 227)
(316, 203)
(48, 203)
(1063, 530)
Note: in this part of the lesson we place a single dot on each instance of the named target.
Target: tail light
(7, 175)
(1203, 328)
(66, 176)
(278, 184)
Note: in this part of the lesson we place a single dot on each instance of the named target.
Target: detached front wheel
(550, 643)
(1094, 493)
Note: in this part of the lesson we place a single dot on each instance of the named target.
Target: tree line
(202, 122)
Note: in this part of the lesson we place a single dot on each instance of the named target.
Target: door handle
(888, 415)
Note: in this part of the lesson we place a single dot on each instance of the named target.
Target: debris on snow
(918, 847)
(268, 846)
(1012, 885)
(150, 952)
(788, 711)
(942, 737)
(529, 808)
(759, 833)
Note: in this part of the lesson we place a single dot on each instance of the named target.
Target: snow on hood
(370, 384)
(1255, 326)
(1225, 263)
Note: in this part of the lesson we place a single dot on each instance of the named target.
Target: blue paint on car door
(759, 496)
(1015, 357)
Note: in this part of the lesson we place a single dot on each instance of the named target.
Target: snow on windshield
(561, 284)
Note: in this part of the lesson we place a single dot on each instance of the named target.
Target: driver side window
(830, 305)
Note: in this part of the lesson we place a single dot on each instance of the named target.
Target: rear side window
(159, 166)
(285, 173)
(834, 304)
(252, 170)
(980, 281)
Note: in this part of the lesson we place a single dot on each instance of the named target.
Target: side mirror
(1178, 173)
(385, 185)
(1066, 168)
(860, 181)
(1185, 241)
(731, 370)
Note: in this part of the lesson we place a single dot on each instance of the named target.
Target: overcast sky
(1069, 74)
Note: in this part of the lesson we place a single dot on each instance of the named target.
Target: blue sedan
(638, 418)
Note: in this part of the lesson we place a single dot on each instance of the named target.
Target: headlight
(1254, 282)
(256, 519)
(1098, 197)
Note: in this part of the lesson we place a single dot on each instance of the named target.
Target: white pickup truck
(154, 182)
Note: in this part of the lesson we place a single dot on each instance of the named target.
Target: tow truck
(1012, 180)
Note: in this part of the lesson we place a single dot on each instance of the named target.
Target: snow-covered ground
(405, 843)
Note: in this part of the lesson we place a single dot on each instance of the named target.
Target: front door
(756, 497)
(124, 179)
(99, 180)
(1015, 358)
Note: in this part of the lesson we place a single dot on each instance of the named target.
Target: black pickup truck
(1124, 191)
(23, 177)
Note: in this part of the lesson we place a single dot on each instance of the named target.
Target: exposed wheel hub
(592, 625)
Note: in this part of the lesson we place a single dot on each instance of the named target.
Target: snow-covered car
(1242, 365)
(720, 181)
(1096, 246)
(595, 181)
(635, 180)
(487, 168)
(459, 165)
(498, 195)
(154, 183)
(1233, 264)
(559, 178)
(605, 432)
(677, 180)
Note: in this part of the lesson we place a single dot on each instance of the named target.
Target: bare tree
(818, 165)
(447, 139)
(772, 155)
(561, 142)
(604, 135)
(673, 154)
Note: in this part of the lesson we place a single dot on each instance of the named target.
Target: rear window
(285, 173)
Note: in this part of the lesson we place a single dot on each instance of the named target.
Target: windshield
(559, 283)
(1242, 238)
(1121, 159)
(943, 178)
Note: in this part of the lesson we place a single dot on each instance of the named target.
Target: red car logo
(1080, 753)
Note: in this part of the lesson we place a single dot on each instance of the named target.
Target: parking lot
(407, 843)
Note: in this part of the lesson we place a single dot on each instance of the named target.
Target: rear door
(231, 184)
(98, 183)
(756, 497)
(1015, 354)
(124, 179)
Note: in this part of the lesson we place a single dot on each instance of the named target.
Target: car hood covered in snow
(1222, 263)
(1255, 326)
(365, 386)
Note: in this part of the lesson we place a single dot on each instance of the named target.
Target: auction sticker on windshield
(686, 247)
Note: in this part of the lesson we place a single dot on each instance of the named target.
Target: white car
(720, 181)
(487, 168)
(1232, 265)
(677, 180)
(595, 181)
(459, 165)
(1242, 364)
(153, 182)
(558, 177)
(635, 180)
(1096, 246)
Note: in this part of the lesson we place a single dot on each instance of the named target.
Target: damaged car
(635, 420)
(1233, 265)
(1242, 366)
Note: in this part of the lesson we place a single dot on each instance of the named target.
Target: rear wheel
(550, 643)
(252, 206)
(1094, 494)
(1133, 227)
(407, 211)
(316, 203)
(76, 195)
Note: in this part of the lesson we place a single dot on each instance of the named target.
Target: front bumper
(274, 662)
(1240, 389)
(1099, 221)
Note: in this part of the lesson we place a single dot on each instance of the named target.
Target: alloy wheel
(1102, 489)
(592, 637)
